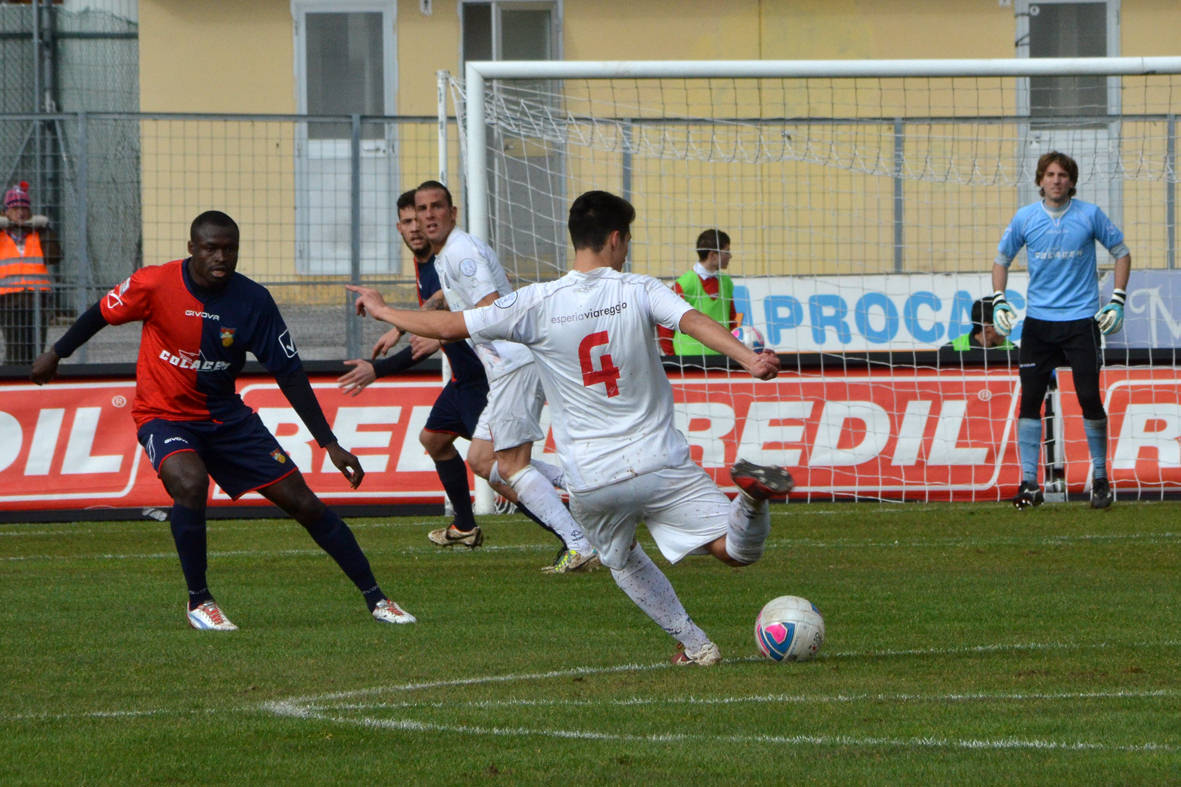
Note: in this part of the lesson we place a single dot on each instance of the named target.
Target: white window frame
(556, 21)
(1023, 9)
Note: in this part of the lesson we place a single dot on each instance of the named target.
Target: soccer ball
(789, 628)
(750, 336)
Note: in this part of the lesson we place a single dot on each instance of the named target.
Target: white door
(345, 65)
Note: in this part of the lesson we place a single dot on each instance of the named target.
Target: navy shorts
(241, 456)
(458, 408)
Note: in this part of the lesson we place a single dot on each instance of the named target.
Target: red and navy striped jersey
(194, 341)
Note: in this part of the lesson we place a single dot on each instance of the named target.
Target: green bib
(717, 308)
(964, 342)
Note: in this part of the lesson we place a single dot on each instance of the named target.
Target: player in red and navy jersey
(200, 318)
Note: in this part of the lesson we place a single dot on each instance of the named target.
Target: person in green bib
(708, 290)
(983, 335)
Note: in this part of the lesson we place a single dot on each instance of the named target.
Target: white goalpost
(864, 201)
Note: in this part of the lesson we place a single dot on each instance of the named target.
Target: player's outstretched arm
(357, 378)
(45, 367)
(387, 342)
(348, 464)
(432, 324)
(764, 365)
(424, 348)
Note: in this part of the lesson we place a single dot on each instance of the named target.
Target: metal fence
(315, 198)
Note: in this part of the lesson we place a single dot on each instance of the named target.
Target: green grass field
(967, 644)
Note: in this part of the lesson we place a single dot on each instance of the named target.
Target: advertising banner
(1143, 429)
(866, 313)
(896, 434)
(925, 311)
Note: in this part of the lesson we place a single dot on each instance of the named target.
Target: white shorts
(513, 413)
(682, 507)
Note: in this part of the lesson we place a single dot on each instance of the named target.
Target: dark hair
(214, 217)
(711, 240)
(981, 314)
(434, 184)
(1062, 160)
(595, 215)
(406, 199)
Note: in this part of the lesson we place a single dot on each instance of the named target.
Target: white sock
(747, 531)
(649, 588)
(494, 475)
(554, 474)
(543, 500)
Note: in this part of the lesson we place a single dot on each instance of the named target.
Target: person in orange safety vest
(27, 249)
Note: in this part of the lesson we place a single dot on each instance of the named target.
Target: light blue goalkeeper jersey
(1063, 276)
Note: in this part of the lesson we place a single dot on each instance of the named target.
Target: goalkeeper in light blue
(1063, 318)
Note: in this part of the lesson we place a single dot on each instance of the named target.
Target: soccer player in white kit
(593, 333)
(470, 275)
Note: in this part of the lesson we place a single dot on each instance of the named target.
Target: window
(345, 67)
(1071, 28)
(1077, 115)
(522, 30)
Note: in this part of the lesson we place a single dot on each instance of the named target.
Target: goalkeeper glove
(1111, 316)
(1003, 316)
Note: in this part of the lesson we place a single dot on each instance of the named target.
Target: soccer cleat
(450, 536)
(388, 611)
(706, 657)
(761, 482)
(1101, 493)
(570, 561)
(1029, 495)
(209, 617)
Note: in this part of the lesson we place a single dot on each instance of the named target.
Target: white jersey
(610, 400)
(468, 272)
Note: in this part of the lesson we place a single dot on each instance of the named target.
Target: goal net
(863, 202)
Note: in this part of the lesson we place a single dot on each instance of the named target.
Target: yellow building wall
(798, 215)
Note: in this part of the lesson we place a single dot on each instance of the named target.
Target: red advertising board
(1143, 429)
(71, 444)
(913, 434)
(918, 434)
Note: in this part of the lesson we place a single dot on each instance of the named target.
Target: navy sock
(334, 537)
(188, 533)
(453, 474)
(521, 507)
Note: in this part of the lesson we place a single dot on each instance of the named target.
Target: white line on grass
(311, 712)
(261, 553)
(326, 707)
(579, 671)
(797, 699)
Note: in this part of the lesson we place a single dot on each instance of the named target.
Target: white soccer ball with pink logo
(750, 336)
(789, 628)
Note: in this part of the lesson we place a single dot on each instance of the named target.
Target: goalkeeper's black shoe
(1101, 494)
(1028, 496)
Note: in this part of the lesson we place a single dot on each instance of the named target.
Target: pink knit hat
(17, 196)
